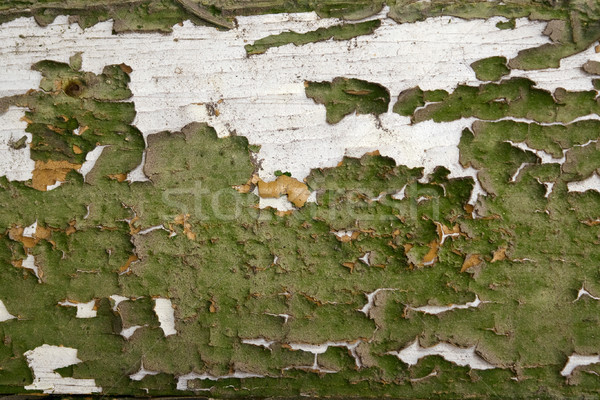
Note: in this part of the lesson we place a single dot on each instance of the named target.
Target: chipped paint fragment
(166, 315)
(4, 314)
(577, 360)
(84, 310)
(441, 309)
(44, 360)
(412, 353)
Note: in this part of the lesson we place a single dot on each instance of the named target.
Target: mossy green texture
(233, 270)
(490, 69)
(514, 97)
(343, 96)
(510, 24)
(75, 111)
(337, 32)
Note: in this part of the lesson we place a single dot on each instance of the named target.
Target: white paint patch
(45, 359)
(315, 367)
(90, 160)
(262, 97)
(310, 348)
(544, 157)
(285, 317)
(547, 158)
(84, 310)
(400, 195)
(29, 263)
(4, 314)
(458, 355)
(142, 373)
(441, 309)
(518, 171)
(261, 342)
(127, 333)
(583, 292)
(166, 315)
(343, 234)
(576, 360)
(445, 235)
(152, 228)
(317, 349)
(280, 203)
(182, 381)
(17, 165)
(29, 231)
(591, 183)
(549, 186)
(371, 301)
(117, 299)
(366, 258)
(137, 174)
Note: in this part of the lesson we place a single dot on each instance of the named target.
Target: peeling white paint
(90, 160)
(583, 292)
(17, 165)
(591, 183)
(29, 231)
(261, 342)
(142, 373)
(45, 359)
(310, 348)
(366, 258)
(343, 234)
(285, 317)
(152, 228)
(441, 309)
(127, 333)
(445, 235)
(545, 158)
(548, 185)
(317, 349)
(166, 315)
(137, 174)
(400, 195)
(457, 355)
(280, 203)
(4, 314)
(576, 360)
(29, 263)
(84, 310)
(182, 381)
(117, 299)
(518, 171)
(262, 97)
(315, 367)
(371, 301)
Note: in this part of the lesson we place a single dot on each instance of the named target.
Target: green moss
(510, 24)
(490, 69)
(344, 96)
(235, 272)
(337, 32)
(514, 97)
(76, 111)
(408, 101)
